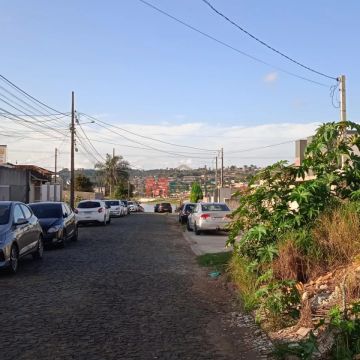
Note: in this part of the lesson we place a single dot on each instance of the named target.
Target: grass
(217, 261)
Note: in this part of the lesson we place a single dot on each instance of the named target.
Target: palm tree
(113, 170)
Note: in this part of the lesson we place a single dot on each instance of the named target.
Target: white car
(116, 208)
(132, 206)
(90, 211)
(208, 216)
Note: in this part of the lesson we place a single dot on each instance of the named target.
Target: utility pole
(342, 90)
(222, 168)
(113, 152)
(72, 165)
(216, 180)
(128, 189)
(55, 173)
(205, 181)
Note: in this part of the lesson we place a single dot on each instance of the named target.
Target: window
(89, 205)
(215, 207)
(27, 212)
(18, 214)
(47, 210)
(112, 202)
(68, 209)
(4, 214)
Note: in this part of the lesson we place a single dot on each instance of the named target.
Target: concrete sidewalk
(211, 242)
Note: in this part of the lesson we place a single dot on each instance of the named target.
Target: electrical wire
(29, 96)
(261, 147)
(146, 137)
(223, 43)
(265, 44)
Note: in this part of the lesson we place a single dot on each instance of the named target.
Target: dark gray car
(20, 234)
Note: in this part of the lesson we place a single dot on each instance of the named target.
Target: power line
(147, 147)
(147, 137)
(30, 96)
(261, 147)
(230, 46)
(264, 43)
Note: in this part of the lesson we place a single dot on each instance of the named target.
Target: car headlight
(54, 229)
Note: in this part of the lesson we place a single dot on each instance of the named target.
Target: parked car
(132, 206)
(125, 202)
(57, 220)
(92, 211)
(164, 208)
(208, 216)
(156, 207)
(116, 208)
(20, 234)
(184, 211)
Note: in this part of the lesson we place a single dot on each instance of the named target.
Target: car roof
(46, 203)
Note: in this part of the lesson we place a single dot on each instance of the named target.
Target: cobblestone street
(130, 290)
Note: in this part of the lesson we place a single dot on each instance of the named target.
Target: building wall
(14, 184)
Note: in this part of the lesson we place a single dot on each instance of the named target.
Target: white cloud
(271, 78)
(238, 142)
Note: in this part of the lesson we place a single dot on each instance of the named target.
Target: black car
(185, 211)
(57, 221)
(163, 208)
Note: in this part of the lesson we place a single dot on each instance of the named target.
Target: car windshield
(47, 211)
(214, 207)
(4, 214)
(89, 205)
(165, 204)
(130, 203)
(125, 202)
(112, 202)
(189, 207)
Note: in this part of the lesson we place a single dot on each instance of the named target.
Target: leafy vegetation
(83, 183)
(295, 223)
(113, 170)
(217, 261)
(196, 193)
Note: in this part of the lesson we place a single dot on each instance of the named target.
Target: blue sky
(134, 66)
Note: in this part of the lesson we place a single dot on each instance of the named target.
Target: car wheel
(197, 231)
(188, 226)
(38, 254)
(76, 234)
(14, 259)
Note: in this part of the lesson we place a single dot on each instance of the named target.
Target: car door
(32, 231)
(21, 233)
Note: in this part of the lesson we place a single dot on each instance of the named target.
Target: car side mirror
(21, 221)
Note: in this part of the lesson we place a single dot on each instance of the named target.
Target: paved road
(131, 290)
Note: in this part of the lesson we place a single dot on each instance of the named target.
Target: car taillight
(205, 216)
(76, 211)
(100, 210)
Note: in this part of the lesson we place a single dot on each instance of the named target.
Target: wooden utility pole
(55, 173)
(128, 189)
(222, 169)
(216, 180)
(72, 152)
(205, 182)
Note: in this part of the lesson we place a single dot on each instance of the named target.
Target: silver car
(20, 234)
(208, 216)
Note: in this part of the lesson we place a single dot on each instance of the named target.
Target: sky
(140, 70)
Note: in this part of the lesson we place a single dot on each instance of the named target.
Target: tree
(196, 193)
(113, 170)
(83, 183)
(122, 191)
